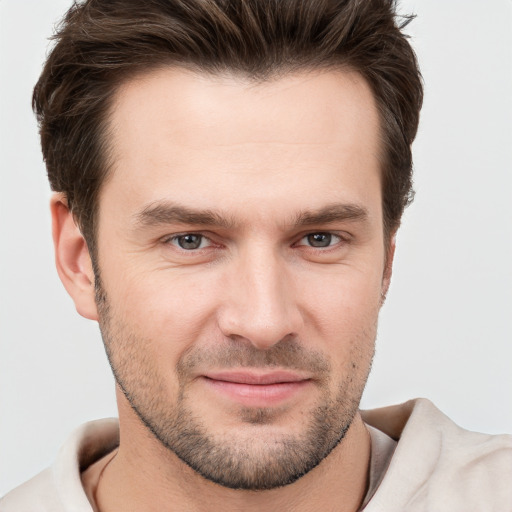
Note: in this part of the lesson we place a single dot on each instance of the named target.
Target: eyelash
(174, 240)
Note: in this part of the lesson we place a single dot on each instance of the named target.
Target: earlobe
(388, 268)
(72, 258)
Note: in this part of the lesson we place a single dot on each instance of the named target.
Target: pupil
(320, 240)
(189, 241)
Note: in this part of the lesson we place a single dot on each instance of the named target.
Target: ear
(72, 258)
(388, 268)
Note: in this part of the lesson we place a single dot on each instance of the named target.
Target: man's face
(242, 265)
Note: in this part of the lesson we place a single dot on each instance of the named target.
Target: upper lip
(255, 377)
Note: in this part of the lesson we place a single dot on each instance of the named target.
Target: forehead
(218, 138)
(169, 93)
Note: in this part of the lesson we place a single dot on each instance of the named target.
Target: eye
(319, 240)
(189, 241)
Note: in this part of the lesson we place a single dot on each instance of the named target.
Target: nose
(260, 301)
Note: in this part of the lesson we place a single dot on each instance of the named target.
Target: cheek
(166, 309)
(343, 303)
(343, 314)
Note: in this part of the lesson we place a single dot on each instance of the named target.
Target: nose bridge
(261, 306)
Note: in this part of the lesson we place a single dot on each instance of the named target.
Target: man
(229, 180)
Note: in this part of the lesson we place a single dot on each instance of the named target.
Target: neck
(145, 476)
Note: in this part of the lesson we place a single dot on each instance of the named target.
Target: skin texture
(240, 238)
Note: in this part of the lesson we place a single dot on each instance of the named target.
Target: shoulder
(36, 495)
(59, 488)
(440, 466)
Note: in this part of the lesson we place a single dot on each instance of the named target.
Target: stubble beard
(245, 462)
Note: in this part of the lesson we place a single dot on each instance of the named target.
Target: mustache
(287, 353)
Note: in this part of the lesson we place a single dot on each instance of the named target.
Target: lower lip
(253, 395)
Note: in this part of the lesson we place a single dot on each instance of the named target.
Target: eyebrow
(162, 213)
(159, 213)
(332, 213)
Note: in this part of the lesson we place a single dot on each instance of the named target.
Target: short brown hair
(101, 43)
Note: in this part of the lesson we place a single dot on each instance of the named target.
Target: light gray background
(446, 330)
